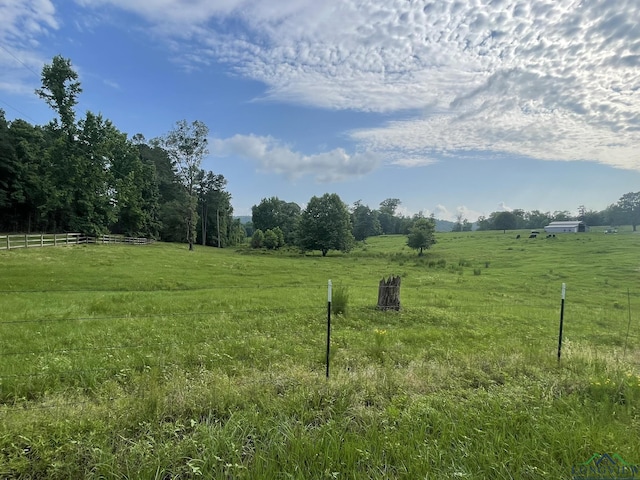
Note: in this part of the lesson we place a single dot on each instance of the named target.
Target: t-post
(328, 325)
(564, 287)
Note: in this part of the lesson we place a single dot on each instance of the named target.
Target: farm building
(566, 227)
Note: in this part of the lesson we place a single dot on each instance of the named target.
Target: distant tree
(593, 217)
(270, 240)
(582, 212)
(389, 222)
(613, 215)
(365, 222)
(273, 212)
(213, 207)
(237, 234)
(186, 146)
(505, 221)
(325, 225)
(248, 228)
(484, 223)
(537, 219)
(422, 234)
(467, 226)
(273, 239)
(257, 239)
(629, 205)
(561, 216)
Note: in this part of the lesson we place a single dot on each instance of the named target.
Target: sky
(455, 107)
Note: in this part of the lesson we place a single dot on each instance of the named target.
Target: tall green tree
(389, 222)
(273, 212)
(365, 222)
(7, 163)
(629, 205)
(134, 187)
(214, 206)
(60, 89)
(186, 146)
(422, 234)
(505, 221)
(325, 225)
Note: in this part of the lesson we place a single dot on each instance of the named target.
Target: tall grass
(153, 362)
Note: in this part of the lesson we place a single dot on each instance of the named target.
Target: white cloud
(503, 207)
(548, 79)
(24, 23)
(272, 156)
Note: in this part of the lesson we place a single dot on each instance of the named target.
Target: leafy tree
(389, 223)
(60, 89)
(422, 234)
(505, 221)
(212, 199)
(273, 212)
(8, 163)
(325, 225)
(237, 234)
(629, 205)
(561, 216)
(457, 226)
(134, 187)
(257, 239)
(186, 146)
(271, 240)
(365, 222)
(537, 219)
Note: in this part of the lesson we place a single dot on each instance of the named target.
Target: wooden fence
(8, 242)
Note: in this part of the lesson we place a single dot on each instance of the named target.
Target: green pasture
(120, 361)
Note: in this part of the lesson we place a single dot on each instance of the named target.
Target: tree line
(626, 211)
(84, 175)
(327, 223)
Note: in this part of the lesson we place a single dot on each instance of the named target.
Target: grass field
(122, 361)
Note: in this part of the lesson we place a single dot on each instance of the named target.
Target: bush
(257, 239)
(270, 240)
(477, 271)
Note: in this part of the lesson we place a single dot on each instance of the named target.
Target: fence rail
(8, 242)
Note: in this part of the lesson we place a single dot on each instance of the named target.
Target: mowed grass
(155, 362)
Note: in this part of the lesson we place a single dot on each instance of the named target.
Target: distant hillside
(243, 218)
(444, 225)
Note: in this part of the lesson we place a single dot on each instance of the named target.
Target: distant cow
(517, 236)
(533, 235)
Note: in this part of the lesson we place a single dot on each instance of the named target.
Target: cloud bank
(272, 156)
(547, 79)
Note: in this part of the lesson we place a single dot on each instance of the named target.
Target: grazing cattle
(533, 235)
(517, 236)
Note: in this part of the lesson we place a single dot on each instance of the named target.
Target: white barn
(573, 226)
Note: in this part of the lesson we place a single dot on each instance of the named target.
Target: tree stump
(389, 294)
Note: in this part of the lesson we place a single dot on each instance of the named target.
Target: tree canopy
(422, 234)
(325, 225)
(273, 212)
(86, 176)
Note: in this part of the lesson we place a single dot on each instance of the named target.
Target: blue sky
(468, 106)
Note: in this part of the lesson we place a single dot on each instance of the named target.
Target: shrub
(257, 239)
(477, 271)
(270, 240)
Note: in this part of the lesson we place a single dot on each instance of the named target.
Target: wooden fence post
(389, 294)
